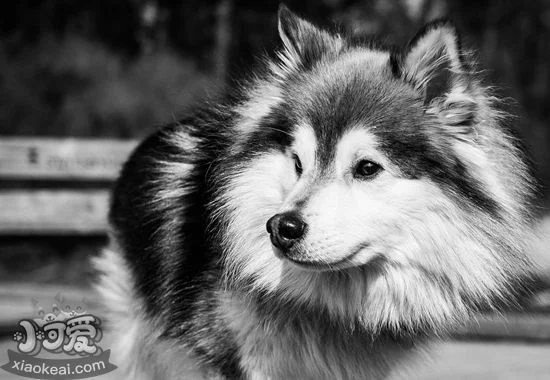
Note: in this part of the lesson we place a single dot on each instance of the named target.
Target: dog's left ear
(304, 43)
(435, 65)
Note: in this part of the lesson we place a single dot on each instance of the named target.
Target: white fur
(434, 249)
(306, 352)
(305, 146)
(264, 96)
(250, 206)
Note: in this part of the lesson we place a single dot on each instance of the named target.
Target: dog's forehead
(355, 143)
(343, 82)
(356, 92)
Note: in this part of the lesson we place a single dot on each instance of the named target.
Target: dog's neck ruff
(290, 341)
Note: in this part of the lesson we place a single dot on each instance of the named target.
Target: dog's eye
(366, 169)
(297, 165)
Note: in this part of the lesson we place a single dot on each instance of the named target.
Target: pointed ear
(432, 61)
(435, 65)
(303, 42)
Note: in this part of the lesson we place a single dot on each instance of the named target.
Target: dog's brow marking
(353, 144)
(305, 145)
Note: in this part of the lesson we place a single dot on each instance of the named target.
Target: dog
(344, 205)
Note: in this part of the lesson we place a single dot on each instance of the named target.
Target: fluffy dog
(346, 202)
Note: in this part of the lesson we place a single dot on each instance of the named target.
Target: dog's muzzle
(285, 229)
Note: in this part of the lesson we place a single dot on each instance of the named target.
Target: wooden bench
(53, 188)
(57, 186)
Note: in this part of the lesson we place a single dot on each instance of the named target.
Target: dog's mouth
(310, 263)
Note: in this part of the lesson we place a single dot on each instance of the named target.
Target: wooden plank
(53, 212)
(63, 159)
(510, 326)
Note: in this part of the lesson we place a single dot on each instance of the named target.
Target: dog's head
(374, 182)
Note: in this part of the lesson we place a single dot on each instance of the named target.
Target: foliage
(75, 87)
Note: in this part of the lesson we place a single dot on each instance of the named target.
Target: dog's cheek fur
(434, 259)
(437, 259)
(380, 216)
(248, 198)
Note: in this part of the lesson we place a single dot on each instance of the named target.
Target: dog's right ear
(303, 42)
(434, 64)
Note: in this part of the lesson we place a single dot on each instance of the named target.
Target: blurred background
(120, 68)
(108, 72)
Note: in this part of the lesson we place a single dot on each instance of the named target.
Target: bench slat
(63, 159)
(53, 212)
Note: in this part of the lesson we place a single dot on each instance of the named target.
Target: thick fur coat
(396, 204)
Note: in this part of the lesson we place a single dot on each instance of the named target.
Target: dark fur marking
(151, 244)
(409, 136)
(274, 132)
(339, 107)
(395, 63)
(419, 156)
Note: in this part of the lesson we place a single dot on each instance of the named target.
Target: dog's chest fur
(295, 346)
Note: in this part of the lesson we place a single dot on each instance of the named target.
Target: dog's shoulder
(156, 212)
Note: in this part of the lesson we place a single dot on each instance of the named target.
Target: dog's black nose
(285, 229)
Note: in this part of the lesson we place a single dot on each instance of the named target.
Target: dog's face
(377, 185)
(351, 208)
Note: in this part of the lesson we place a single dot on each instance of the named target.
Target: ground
(450, 361)
(484, 361)
(515, 346)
